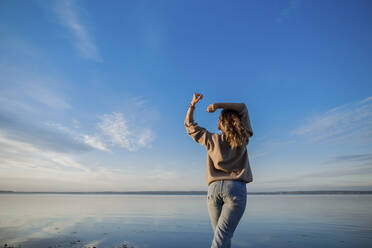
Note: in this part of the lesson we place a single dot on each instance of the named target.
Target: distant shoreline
(315, 192)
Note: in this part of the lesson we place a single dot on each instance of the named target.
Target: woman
(228, 169)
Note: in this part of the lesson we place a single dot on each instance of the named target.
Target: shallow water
(56, 220)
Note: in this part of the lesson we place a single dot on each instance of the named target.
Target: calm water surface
(52, 220)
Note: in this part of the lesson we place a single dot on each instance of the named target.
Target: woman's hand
(211, 108)
(197, 97)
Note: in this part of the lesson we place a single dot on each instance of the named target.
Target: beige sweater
(223, 162)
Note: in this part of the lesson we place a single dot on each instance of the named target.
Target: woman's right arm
(241, 108)
(230, 105)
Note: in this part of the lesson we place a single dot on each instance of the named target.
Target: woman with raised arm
(228, 168)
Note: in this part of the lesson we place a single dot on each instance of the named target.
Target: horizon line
(188, 192)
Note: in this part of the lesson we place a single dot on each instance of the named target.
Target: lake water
(63, 220)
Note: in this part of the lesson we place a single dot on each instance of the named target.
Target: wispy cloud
(116, 130)
(26, 155)
(345, 171)
(351, 171)
(368, 99)
(364, 157)
(293, 5)
(352, 121)
(68, 14)
(94, 142)
(21, 111)
(26, 90)
(44, 136)
(24, 166)
(47, 97)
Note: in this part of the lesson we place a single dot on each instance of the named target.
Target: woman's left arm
(189, 116)
(197, 133)
(190, 112)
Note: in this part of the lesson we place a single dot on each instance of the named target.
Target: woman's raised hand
(211, 108)
(197, 97)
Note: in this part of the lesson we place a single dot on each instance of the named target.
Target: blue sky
(93, 95)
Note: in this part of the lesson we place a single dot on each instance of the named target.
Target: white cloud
(59, 127)
(352, 121)
(68, 14)
(26, 167)
(94, 142)
(26, 155)
(366, 100)
(115, 129)
(145, 137)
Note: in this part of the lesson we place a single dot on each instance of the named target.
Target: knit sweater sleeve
(245, 118)
(197, 133)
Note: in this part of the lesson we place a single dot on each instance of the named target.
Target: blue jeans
(226, 204)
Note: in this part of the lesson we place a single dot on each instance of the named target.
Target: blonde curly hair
(233, 130)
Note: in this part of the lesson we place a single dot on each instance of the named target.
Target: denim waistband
(232, 181)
